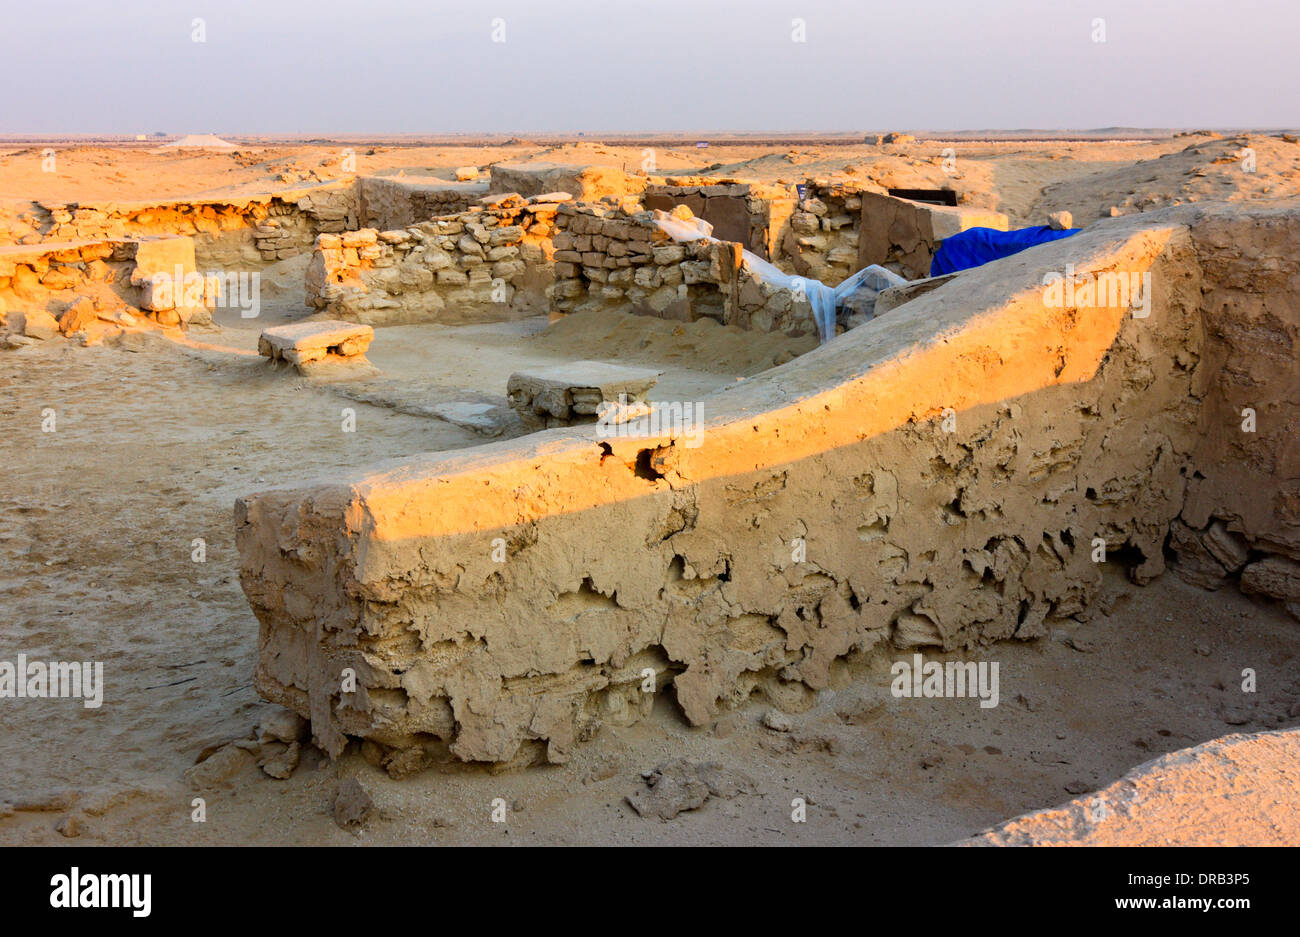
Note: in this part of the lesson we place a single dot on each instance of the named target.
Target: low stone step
(303, 343)
(573, 392)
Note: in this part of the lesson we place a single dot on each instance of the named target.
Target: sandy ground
(455, 372)
(154, 442)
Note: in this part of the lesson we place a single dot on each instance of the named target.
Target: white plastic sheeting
(823, 299)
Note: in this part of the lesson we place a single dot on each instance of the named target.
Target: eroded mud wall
(1242, 516)
(938, 477)
(749, 213)
(229, 232)
(387, 203)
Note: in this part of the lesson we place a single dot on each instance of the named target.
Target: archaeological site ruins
(545, 462)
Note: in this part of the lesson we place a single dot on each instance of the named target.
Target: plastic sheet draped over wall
(823, 299)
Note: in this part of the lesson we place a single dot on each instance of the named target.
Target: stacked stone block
(493, 262)
(821, 240)
(614, 255)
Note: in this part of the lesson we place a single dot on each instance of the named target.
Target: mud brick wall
(1241, 519)
(616, 257)
(387, 203)
(903, 235)
(751, 214)
(227, 233)
(582, 183)
(487, 264)
(1068, 424)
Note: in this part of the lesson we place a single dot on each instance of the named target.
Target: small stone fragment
(777, 721)
(352, 804)
(282, 766)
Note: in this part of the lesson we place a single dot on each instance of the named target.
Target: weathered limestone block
(306, 345)
(1277, 577)
(1230, 549)
(509, 234)
(34, 323)
(1195, 563)
(804, 223)
(163, 256)
(573, 392)
(192, 291)
(568, 289)
(77, 316)
(669, 254)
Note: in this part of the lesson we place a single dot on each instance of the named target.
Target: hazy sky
(391, 66)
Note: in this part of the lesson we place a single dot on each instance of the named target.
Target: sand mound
(1208, 169)
(197, 141)
(704, 344)
(1234, 791)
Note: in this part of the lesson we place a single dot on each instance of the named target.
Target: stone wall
(491, 263)
(615, 256)
(820, 240)
(88, 288)
(749, 213)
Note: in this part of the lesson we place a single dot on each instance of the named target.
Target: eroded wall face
(92, 290)
(1242, 516)
(238, 233)
(582, 183)
(387, 204)
(897, 234)
(940, 478)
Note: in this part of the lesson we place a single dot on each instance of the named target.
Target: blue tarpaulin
(976, 246)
